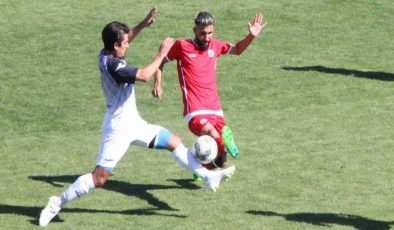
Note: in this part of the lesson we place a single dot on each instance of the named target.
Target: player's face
(121, 48)
(204, 35)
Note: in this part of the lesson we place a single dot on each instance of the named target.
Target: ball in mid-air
(205, 149)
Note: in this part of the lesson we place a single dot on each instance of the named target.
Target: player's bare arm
(254, 28)
(144, 74)
(157, 90)
(148, 20)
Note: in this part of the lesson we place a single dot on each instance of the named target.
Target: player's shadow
(34, 212)
(382, 76)
(326, 219)
(140, 191)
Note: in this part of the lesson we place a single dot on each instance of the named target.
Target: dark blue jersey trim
(120, 71)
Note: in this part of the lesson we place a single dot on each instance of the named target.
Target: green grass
(310, 103)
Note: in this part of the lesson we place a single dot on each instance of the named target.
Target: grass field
(311, 105)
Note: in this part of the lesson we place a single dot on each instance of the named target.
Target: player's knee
(210, 130)
(175, 140)
(100, 182)
(100, 177)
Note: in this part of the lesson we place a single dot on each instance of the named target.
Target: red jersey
(197, 75)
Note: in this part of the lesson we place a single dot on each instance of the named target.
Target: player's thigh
(146, 134)
(113, 146)
(206, 125)
(197, 124)
(219, 123)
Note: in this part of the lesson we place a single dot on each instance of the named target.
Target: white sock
(185, 158)
(83, 185)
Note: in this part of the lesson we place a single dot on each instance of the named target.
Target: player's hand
(150, 18)
(257, 25)
(157, 92)
(166, 46)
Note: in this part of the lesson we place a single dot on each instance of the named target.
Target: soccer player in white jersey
(196, 64)
(122, 125)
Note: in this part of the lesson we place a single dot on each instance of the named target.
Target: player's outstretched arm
(144, 74)
(148, 20)
(254, 28)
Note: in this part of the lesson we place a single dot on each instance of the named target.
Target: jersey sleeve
(174, 52)
(225, 47)
(122, 72)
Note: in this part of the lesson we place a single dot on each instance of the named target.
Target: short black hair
(113, 33)
(204, 18)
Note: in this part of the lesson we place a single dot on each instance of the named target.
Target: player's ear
(117, 45)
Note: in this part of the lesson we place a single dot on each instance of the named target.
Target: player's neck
(200, 45)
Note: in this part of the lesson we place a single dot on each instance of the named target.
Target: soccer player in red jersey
(196, 64)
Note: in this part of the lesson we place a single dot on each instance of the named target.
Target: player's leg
(83, 185)
(206, 125)
(226, 135)
(80, 187)
(185, 158)
(156, 137)
(111, 150)
(221, 159)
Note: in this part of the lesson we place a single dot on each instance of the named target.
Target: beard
(201, 45)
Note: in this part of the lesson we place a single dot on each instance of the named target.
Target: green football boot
(227, 137)
(196, 178)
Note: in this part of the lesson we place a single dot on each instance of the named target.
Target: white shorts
(115, 142)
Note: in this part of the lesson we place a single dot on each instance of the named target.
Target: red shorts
(197, 123)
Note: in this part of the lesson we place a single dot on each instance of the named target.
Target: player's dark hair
(204, 18)
(113, 33)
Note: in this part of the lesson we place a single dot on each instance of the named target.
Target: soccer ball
(205, 149)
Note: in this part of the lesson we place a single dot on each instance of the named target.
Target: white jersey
(122, 123)
(117, 81)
